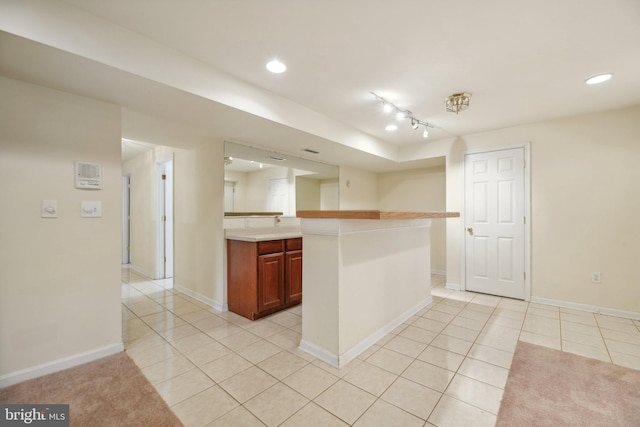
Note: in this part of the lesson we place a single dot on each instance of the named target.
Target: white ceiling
(522, 61)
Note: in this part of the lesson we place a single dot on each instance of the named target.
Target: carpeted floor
(107, 392)
(547, 387)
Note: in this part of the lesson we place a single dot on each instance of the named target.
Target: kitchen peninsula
(364, 274)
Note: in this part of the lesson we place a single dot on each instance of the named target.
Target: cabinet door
(270, 281)
(293, 276)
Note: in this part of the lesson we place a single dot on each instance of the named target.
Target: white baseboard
(210, 302)
(590, 308)
(141, 272)
(440, 272)
(339, 361)
(59, 365)
(453, 286)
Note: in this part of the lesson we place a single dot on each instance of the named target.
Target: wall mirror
(258, 181)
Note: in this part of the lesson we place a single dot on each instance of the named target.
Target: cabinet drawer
(293, 244)
(270, 247)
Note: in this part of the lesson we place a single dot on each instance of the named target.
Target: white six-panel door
(495, 222)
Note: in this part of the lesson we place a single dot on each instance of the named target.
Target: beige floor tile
(195, 316)
(543, 340)
(370, 378)
(442, 358)
(511, 314)
(286, 319)
(430, 325)
(544, 311)
(287, 339)
(225, 367)
(586, 339)
(438, 316)
(276, 404)
(628, 328)
(193, 342)
(626, 360)
(310, 381)
(418, 334)
(478, 316)
(485, 300)
(313, 415)
(485, 372)
(586, 351)
(460, 332)
(282, 364)
(206, 353)
(368, 352)
(467, 323)
(491, 355)
(390, 360)
(623, 347)
(579, 327)
(345, 401)
(428, 375)
(500, 332)
(179, 332)
(208, 323)
(167, 369)
(496, 341)
(455, 345)
(338, 372)
(447, 308)
(382, 413)
(505, 322)
(265, 328)
(630, 338)
(247, 384)
(541, 325)
(583, 319)
(147, 356)
(412, 397)
(513, 304)
(183, 386)
(259, 351)
(240, 340)
(135, 332)
(405, 346)
(451, 412)
(239, 417)
(184, 309)
(476, 393)
(204, 407)
(224, 331)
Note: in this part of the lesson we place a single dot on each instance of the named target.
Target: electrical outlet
(596, 277)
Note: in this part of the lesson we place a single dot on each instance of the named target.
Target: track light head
(414, 124)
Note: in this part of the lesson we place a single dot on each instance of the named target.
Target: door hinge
(164, 177)
(525, 219)
(164, 217)
(165, 260)
(524, 274)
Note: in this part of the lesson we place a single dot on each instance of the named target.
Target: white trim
(341, 360)
(140, 272)
(206, 300)
(59, 365)
(453, 286)
(590, 308)
(439, 272)
(527, 213)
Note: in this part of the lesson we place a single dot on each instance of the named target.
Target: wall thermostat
(88, 175)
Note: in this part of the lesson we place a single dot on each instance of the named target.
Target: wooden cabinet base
(263, 277)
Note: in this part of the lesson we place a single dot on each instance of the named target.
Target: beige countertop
(374, 214)
(262, 234)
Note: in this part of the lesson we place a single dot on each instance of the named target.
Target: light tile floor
(446, 366)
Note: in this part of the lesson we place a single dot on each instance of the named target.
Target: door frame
(527, 213)
(160, 211)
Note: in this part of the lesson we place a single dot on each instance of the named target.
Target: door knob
(470, 230)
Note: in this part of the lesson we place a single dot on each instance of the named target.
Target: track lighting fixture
(401, 115)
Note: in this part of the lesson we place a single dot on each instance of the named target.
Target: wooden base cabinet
(263, 277)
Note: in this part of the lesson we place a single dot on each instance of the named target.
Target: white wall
(239, 196)
(198, 223)
(330, 194)
(308, 195)
(418, 190)
(59, 278)
(358, 189)
(585, 205)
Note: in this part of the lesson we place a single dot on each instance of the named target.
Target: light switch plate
(90, 209)
(49, 209)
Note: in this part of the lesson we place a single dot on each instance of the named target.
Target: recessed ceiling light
(598, 79)
(276, 66)
(391, 127)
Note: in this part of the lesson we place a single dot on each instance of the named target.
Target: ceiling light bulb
(276, 66)
(401, 115)
(260, 165)
(391, 127)
(425, 134)
(386, 107)
(598, 79)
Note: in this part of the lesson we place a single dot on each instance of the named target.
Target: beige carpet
(547, 387)
(107, 392)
